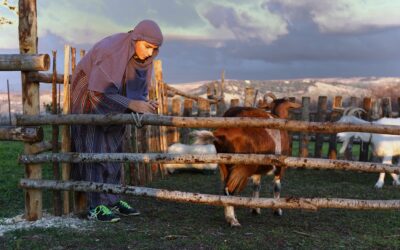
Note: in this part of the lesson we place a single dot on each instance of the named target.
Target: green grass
(169, 225)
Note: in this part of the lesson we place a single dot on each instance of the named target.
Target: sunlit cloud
(243, 20)
(342, 16)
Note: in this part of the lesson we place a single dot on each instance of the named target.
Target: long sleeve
(102, 103)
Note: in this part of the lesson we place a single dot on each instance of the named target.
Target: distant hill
(313, 87)
(359, 87)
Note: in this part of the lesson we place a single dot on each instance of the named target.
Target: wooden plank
(24, 62)
(27, 29)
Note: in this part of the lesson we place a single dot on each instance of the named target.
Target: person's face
(144, 49)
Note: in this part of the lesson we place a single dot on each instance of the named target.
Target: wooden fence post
(235, 102)
(249, 97)
(176, 111)
(162, 109)
(304, 137)
(348, 154)
(187, 112)
(56, 166)
(28, 43)
(291, 117)
(79, 198)
(221, 106)
(65, 129)
(387, 107)
(364, 147)
(337, 103)
(321, 117)
(203, 108)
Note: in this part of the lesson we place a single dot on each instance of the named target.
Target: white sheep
(202, 145)
(383, 145)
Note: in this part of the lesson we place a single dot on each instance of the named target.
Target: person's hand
(143, 106)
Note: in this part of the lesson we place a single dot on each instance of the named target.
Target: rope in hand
(137, 119)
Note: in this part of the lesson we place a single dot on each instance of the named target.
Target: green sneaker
(102, 213)
(123, 208)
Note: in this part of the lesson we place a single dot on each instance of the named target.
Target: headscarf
(105, 64)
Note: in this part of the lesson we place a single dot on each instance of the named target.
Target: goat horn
(353, 111)
(269, 94)
(346, 111)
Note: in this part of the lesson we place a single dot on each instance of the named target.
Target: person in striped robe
(113, 77)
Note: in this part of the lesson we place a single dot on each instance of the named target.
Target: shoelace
(103, 209)
(124, 204)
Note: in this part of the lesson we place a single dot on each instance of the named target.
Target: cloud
(243, 20)
(342, 16)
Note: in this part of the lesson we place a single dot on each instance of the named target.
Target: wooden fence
(162, 130)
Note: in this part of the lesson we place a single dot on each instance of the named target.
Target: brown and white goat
(252, 141)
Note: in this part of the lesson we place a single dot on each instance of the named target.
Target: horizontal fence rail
(250, 159)
(194, 97)
(27, 134)
(215, 200)
(205, 122)
(19, 62)
(46, 77)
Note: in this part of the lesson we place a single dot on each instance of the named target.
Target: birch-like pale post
(28, 43)
(65, 130)
(312, 204)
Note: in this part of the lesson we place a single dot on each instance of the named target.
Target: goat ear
(295, 105)
(262, 104)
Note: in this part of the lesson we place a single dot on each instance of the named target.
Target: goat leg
(277, 193)
(256, 179)
(230, 216)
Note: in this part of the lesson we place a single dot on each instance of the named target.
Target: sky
(249, 39)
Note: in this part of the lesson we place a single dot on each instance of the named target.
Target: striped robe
(97, 139)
